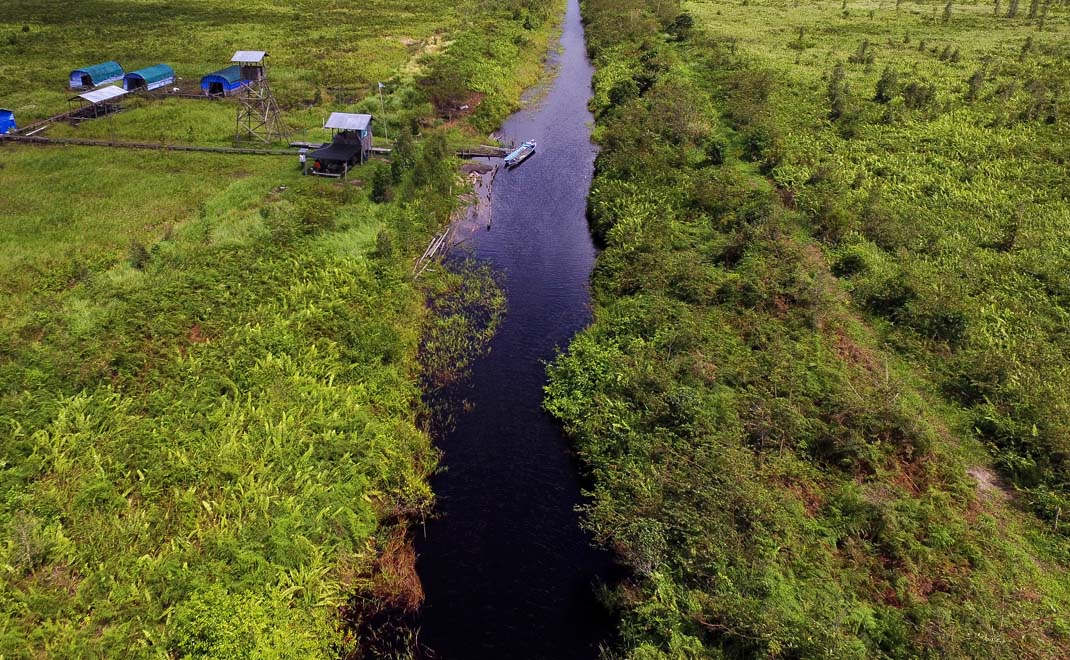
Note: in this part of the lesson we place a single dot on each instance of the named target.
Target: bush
(623, 91)
(918, 94)
(380, 191)
(716, 150)
(887, 86)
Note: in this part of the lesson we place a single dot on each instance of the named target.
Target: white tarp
(103, 94)
(249, 56)
(348, 121)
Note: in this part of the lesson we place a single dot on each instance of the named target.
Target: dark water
(507, 571)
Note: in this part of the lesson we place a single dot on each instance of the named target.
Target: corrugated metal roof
(248, 56)
(348, 121)
(231, 74)
(103, 94)
(101, 72)
(154, 73)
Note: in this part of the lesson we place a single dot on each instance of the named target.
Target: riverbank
(776, 442)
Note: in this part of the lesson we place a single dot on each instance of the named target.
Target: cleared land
(821, 398)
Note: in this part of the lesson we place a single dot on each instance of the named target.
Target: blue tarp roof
(231, 74)
(154, 73)
(7, 121)
(102, 72)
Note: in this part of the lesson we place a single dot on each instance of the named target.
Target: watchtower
(258, 112)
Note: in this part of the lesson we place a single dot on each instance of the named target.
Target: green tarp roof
(154, 73)
(102, 71)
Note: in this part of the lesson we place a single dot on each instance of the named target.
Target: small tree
(381, 185)
(623, 91)
(947, 12)
(837, 92)
(887, 86)
(384, 244)
(1027, 48)
(918, 94)
(974, 85)
(403, 156)
(681, 26)
(1012, 9)
(716, 150)
(1034, 5)
(1043, 15)
(861, 54)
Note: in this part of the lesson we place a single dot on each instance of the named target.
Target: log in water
(507, 570)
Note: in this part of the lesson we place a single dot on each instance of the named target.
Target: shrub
(380, 190)
(384, 244)
(918, 94)
(138, 256)
(716, 149)
(837, 92)
(681, 26)
(887, 86)
(623, 91)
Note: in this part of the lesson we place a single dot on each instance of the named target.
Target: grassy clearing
(313, 47)
(209, 373)
(792, 271)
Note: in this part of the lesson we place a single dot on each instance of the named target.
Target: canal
(507, 570)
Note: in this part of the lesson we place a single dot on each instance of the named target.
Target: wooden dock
(159, 146)
(483, 151)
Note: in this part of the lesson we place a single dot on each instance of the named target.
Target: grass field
(209, 371)
(820, 401)
(311, 45)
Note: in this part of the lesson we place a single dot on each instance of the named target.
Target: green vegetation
(832, 305)
(210, 365)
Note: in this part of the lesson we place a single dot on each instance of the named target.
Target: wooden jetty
(40, 140)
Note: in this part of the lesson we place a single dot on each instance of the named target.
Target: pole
(382, 104)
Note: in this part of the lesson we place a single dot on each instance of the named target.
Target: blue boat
(520, 154)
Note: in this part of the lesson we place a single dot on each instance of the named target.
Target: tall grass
(209, 374)
(787, 281)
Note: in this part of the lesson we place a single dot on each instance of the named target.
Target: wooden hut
(98, 74)
(351, 144)
(252, 64)
(149, 78)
